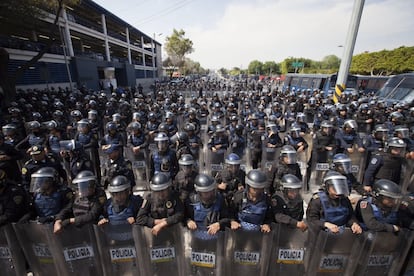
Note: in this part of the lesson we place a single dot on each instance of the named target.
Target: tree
(255, 67)
(331, 63)
(21, 14)
(177, 47)
(270, 67)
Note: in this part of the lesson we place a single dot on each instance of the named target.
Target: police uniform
(116, 167)
(117, 215)
(251, 215)
(13, 204)
(322, 208)
(287, 211)
(347, 140)
(233, 181)
(383, 166)
(204, 215)
(171, 209)
(320, 142)
(184, 183)
(85, 210)
(284, 169)
(10, 163)
(374, 218)
(163, 162)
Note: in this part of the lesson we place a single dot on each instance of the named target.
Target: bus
(327, 82)
(399, 88)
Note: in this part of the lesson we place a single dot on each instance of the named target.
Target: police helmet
(92, 114)
(220, 128)
(111, 126)
(116, 117)
(136, 116)
(342, 163)
(395, 143)
(337, 181)
(50, 124)
(186, 160)
(402, 131)
(84, 181)
(57, 113)
(180, 137)
(43, 178)
(119, 184)
(295, 130)
(33, 125)
(396, 117)
(8, 129)
(290, 181)
(134, 126)
(300, 117)
(272, 127)
(215, 118)
(204, 183)
(388, 188)
(327, 125)
(160, 181)
(163, 127)
(233, 159)
(289, 152)
(83, 123)
(161, 136)
(189, 127)
(350, 124)
(239, 129)
(75, 113)
(256, 179)
(70, 145)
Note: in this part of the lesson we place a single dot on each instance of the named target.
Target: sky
(232, 33)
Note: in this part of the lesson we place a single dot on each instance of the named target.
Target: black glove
(44, 220)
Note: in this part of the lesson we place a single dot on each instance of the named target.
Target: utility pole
(348, 49)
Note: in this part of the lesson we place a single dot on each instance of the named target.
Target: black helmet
(134, 126)
(402, 131)
(220, 129)
(396, 117)
(328, 125)
(381, 132)
(385, 187)
(33, 125)
(289, 152)
(160, 181)
(204, 183)
(189, 127)
(290, 181)
(342, 163)
(350, 124)
(43, 178)
(84, 181)
(111, 126)
(256, 179)
(337, 181)
(186, 160)
(180, 137)
(119, 184)
(396, 144)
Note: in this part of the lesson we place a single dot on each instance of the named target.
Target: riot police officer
(386, 164)
(50, 198)
(184, 180)
(9, 157)
(180, 143)
(348, 137)
(162, 207)
(287, 165)
(379, 212)
(88, 203)
(13, 200)
(330, 209)
(324, 143)
(251, 207)
(123, 206)
(206, 210)
(74, 158)
(163, 159)
(342, 164)
(232, 178)
(287, 203)
(117, 165)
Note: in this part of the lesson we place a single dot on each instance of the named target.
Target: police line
(133, 250)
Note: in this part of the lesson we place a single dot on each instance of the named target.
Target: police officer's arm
(314, 213)
(95, 211)
(66, 203)
(278, 212)
(225, 215)
(13, 208)
(351, 214)
(143, 217)
(151, 168)
(13, 154)
(373, 167)
(339, 136)
(367, 214)
(178, 215)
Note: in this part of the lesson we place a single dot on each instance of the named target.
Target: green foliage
(385, 62)
(255, 67)
(177, 47)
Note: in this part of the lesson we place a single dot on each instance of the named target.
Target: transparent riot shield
(216, 161)
(93, 155)
(204, 253)
(34, 241)
(290, 253)
(247, 252)
(270, 157)
(203, 153)
(75, 251)
(318, 168)
(358, 160)
(117, 250)
(162, 254)
(383, 253)
(103, 160)
(303, 165)
(139, 163)
(331, 253)
(12, 260)
(408, 179)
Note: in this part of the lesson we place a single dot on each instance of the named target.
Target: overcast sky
(231, 33)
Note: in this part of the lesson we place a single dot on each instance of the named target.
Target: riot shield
(318, 168)
(247, 252)
(383, 253)
(358, 160)
(75, 251)
(139, 163)
(408, 179)
(303, 165)
(93, 155)
(331, 253)
(12, 260)
(290, 252)
(34, 240)
(117, 250)
(270, 157)
(162, 254)
(215, 161)
(204, 253)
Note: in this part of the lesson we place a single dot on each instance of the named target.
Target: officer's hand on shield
(212, 229)
(302, 225)
(350, 150)
(361, 149)
(57, 226)
(265, 228)
(157, 228)
(234, 225)
(103, 221)
(191, 224)
(356, 229)
(328, 148)
(332, 227)
(131, 220)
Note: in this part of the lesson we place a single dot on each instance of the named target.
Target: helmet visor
(344, 167)
(83, 188)
(339, 185)
(290, 158)
(40, 184)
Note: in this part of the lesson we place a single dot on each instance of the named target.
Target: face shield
(343, 167)
(338, 185)
(40, 184)
(293, 194)
(162, 146)
(186, 168)
(207, 198)
(381, 135)
(295, 132)
(327, 130)
(85, 188)
(290, 158)
(83, 127)
(402, 133)
(397, 151)
(120, 200)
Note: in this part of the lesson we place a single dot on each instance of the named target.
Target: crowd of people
(62, 152)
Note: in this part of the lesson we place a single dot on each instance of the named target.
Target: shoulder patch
(102, 200)
(24, 170)
(274, 202)
(363, 204)
(374, 161)
(18, 199)
(315, 196)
